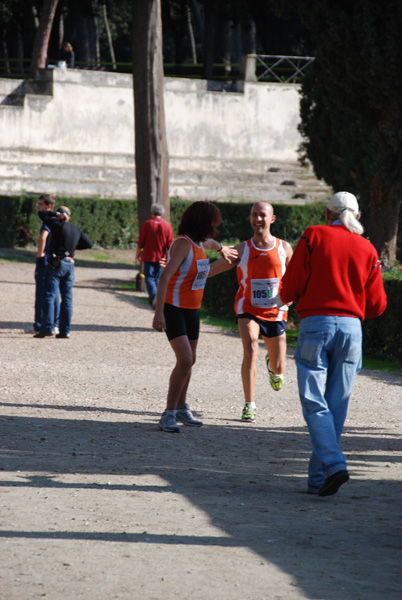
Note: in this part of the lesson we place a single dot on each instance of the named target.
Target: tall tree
(358, 71)
(109, 36)
(41, 43)
(151, 154)
(333, 142)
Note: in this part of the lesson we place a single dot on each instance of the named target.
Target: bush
(382, 337)
(109, 223)
(290, 222)
(114, 224)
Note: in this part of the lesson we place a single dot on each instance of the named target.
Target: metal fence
(283, 69)
(269, 68)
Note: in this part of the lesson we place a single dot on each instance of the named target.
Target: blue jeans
(152, 272)
(40, 290)
(59, 282)
(328, 358)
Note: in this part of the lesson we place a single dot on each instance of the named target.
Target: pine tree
(357, 69)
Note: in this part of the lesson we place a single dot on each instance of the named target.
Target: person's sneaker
(44, 334)
(185, 416)
(168, 422)
(275, 380)
(249, 412)
(56, 330)
(63, 335)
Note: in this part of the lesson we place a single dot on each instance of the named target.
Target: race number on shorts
(202, 274)
(263, 291)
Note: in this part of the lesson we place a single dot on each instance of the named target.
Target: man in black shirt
(66, 239)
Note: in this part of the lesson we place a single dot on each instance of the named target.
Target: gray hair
(348, 218)
(158, 210)
(344, 206)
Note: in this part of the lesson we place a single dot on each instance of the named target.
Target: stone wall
(72, 132)
(90, 111)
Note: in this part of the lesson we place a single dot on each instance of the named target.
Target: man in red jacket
(156, 237)
(335, 276)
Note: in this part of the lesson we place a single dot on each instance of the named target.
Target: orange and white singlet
(186, 287)
(259, 276)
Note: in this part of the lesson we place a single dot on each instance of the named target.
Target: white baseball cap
(342, 201)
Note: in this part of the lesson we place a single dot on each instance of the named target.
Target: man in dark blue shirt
(44, 202)
(66, 239)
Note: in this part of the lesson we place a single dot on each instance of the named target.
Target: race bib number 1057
(263, 291)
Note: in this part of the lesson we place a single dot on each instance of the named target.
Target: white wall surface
(92, 112)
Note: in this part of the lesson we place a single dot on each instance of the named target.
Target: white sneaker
(168, 422)
(185, 416)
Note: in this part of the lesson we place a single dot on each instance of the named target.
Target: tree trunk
(4, 54)
(95, 31)
(191, 35)
(383, 226)
(208, 42)
(35, 16)
(109, 37)
(19, 65)
(249, 44)
(197, 19)
(61, 32)
(228, 46)
(39, 54)
(385, 194)
(151, 155)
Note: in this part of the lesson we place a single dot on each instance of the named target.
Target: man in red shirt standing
(335, 276)
(156, 237)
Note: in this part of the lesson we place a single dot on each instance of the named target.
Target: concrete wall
(92, 112)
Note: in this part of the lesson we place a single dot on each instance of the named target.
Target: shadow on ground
(259, 503)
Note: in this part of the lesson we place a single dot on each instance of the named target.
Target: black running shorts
(182, 321)
(269, 329)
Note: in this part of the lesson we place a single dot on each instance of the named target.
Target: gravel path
(96, 503)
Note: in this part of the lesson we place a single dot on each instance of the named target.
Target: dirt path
(96, 503)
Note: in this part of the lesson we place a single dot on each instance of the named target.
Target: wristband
(220, 249)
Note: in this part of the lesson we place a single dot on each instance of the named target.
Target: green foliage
(113, 223)
(220, 293)
(334, 138)
(177, 208)
(351, 110)
(109, 223)
(290, 222)
(382, 337)
(15, 214)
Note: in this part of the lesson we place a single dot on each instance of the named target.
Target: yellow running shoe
(275, 380)
(249, 412)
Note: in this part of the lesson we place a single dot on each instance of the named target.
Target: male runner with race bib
(260, 268)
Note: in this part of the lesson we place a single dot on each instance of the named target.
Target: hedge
(382, 337)
(109, 223)
(114, 223)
